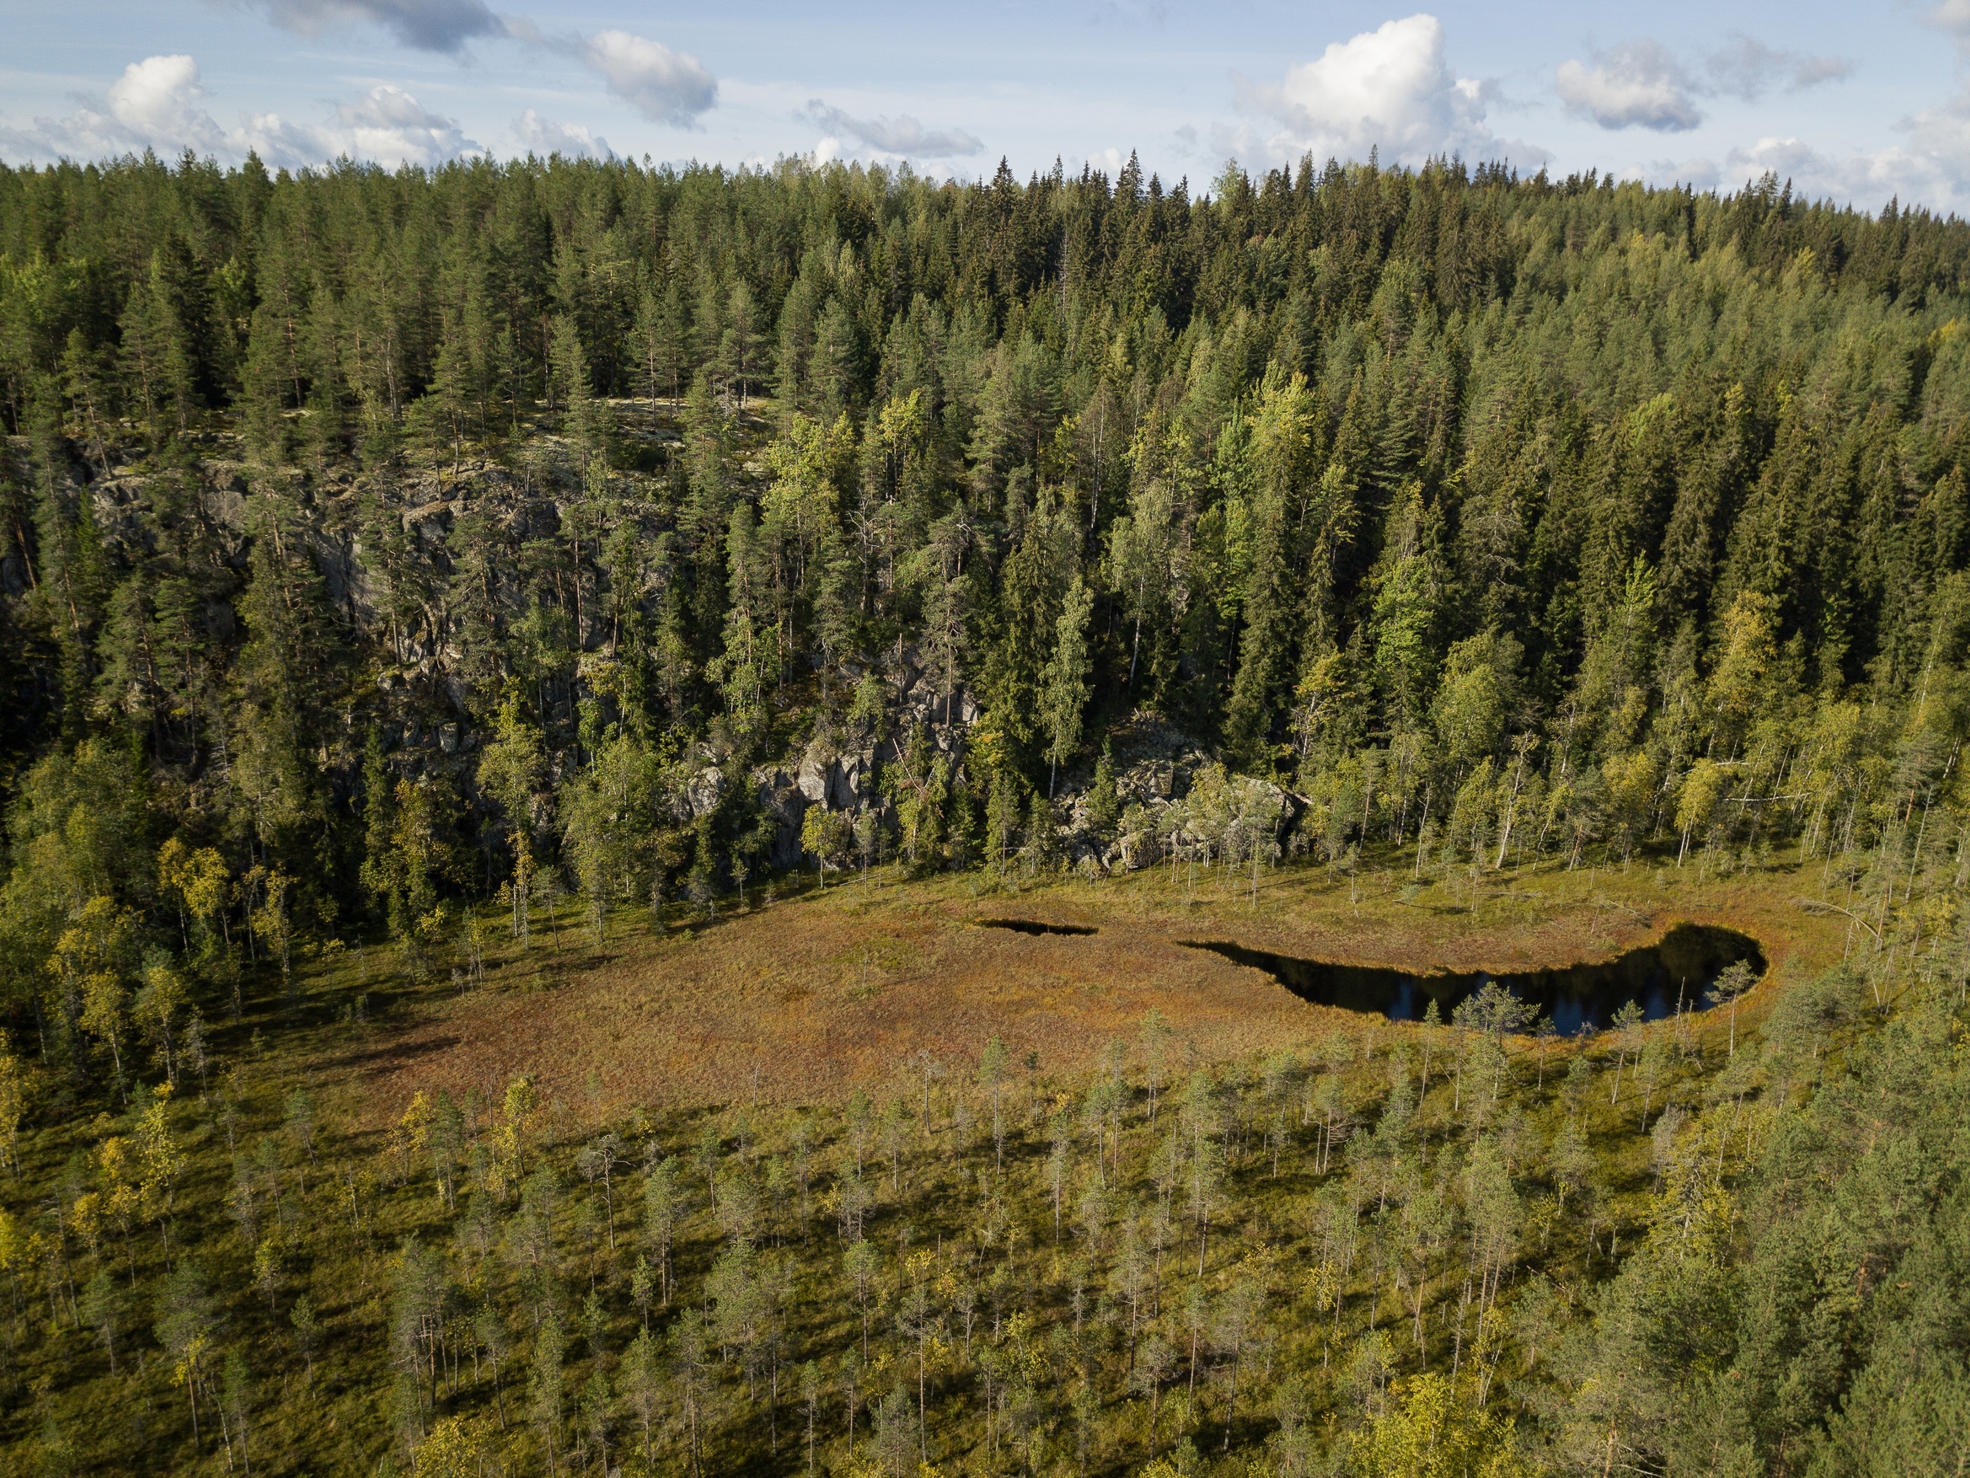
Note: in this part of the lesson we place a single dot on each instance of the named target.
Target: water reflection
(1661, 978)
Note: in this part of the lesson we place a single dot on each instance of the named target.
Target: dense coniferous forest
(407, 575)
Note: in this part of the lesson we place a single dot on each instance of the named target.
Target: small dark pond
(1678, 968)
(1034, 926)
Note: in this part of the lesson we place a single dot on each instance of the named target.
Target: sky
(1857, 103)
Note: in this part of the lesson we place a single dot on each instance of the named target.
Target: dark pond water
(1035, 926)
(1678, 968)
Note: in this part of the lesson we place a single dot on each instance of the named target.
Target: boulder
(837, 779)
(704, 790)
(812, 781)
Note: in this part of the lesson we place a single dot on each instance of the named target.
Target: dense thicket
(1575, 512)
(373, 545)
(1426, 1252)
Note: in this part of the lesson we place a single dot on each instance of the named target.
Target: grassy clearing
(769, 1051)
(801, 1000)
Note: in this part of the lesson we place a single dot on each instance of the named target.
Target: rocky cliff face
(419, 575)
(1169, 796)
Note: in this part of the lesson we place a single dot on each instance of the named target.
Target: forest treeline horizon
(397, 567)
(1581, 511)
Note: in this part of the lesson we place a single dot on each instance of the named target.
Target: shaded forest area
(1573, 513)
(414, 563)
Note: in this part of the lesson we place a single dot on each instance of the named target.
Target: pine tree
(511, 772)
(1281, 441)
(1064, 682)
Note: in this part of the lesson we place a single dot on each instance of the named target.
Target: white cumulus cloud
(1390, 89)
(1931, 167)
(157, 99)
(153, 105)
(429, 25)
(1636, 85)
(1642, 84)
(663, 85)
(1953, 16)
(1748, 68)
(390, 126)
(547, 137)
(159, 104)
(902, 136)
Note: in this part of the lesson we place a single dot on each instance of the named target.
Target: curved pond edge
(1665, 977)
